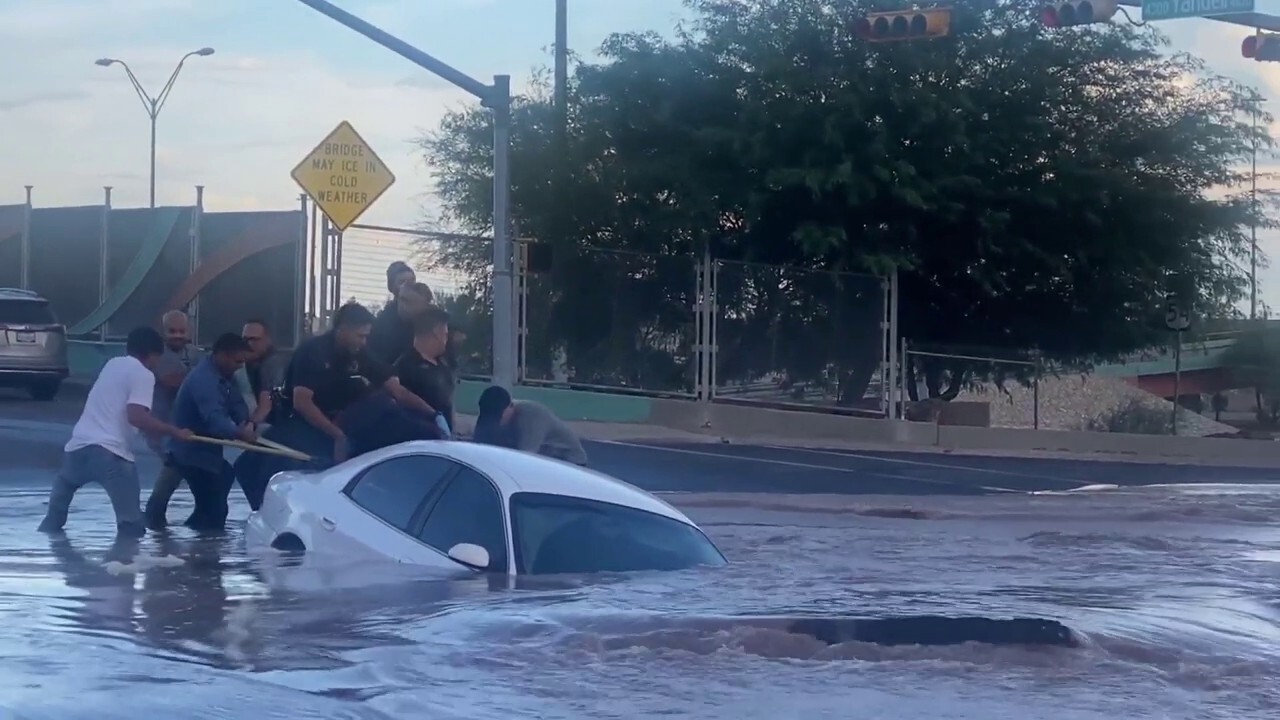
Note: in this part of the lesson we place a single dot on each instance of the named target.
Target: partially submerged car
(459, 507)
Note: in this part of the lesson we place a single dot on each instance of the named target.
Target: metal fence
(971, 386)
(698, 327)
(611, 320)
(797, 336)
(365, 251)
(644, 323)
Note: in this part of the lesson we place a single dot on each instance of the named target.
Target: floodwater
(1176, 591)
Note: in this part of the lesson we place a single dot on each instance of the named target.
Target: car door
(467, 510)
(384, 502)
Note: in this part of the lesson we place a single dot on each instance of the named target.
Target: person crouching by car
(209, 405)
(525, 425)
(424, 369)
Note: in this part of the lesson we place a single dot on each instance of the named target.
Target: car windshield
(555, 534)
(25, 312)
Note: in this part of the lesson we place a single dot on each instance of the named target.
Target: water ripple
(1173, 592)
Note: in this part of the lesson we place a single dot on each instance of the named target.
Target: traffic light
(905, 25)
(1263, 47)
(1076, 12)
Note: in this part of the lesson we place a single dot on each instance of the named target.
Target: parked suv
(33, 345)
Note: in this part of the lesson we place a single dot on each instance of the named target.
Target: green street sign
(1174, 9)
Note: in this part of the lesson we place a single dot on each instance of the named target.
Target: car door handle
(327, 524)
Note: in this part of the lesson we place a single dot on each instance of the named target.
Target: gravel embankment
(1069, 402)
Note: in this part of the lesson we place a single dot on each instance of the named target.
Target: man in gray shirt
(526, 425)
(264, 371)
(180, 355)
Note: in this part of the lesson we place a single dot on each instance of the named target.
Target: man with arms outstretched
(100, 447)
(209, 405)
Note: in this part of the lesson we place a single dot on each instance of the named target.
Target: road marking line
(806, 466)
(925, 463)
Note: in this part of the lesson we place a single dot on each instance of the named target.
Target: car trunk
(28, 329)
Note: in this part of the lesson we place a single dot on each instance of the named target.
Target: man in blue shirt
(210, 405)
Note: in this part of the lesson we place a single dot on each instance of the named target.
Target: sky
(283, 76)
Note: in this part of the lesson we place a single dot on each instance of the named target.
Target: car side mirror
(470, 555)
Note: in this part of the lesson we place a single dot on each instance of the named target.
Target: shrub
(1133, 417)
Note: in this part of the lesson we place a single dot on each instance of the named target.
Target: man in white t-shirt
(100, 448)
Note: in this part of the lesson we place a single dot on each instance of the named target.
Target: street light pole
(153, 105)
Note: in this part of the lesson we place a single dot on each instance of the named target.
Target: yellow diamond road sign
(343, 175)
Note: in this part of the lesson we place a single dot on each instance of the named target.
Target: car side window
(469, 511)
(394, 489)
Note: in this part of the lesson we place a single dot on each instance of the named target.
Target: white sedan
(468, 507)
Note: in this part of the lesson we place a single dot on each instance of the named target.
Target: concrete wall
(782, 426)
(735, 421)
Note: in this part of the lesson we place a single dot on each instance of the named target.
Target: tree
(1038, 190)
(1254, 361)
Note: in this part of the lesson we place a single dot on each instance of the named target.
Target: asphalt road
(32, 435)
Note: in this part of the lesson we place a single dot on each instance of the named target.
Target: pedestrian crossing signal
(1077, 12)
(1263, 47)
(905, 25)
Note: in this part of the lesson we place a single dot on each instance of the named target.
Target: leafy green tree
(1254, 361)
(1037, 190)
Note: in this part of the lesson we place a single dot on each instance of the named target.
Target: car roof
(517, 471)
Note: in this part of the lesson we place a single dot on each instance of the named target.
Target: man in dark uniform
(424, 369)
(343, 401)
(393, 328)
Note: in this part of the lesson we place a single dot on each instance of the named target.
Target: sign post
(1175, 9)
(1177, 320)
(343, 175)
(496, 97)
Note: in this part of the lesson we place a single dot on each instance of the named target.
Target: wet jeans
(210, 489)
(94, 463)
(158, 501)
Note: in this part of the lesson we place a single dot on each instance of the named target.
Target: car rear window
(26, 312)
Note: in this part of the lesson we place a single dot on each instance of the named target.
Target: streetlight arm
(147, 102)
(168, 86)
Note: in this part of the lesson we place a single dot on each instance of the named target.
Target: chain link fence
(796, 336)
(611, 320)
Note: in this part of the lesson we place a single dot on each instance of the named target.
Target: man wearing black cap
(525, 425)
